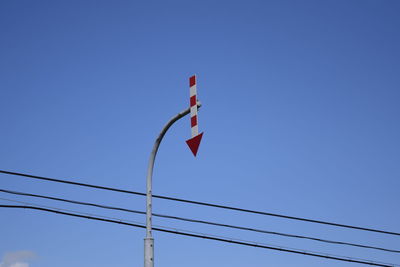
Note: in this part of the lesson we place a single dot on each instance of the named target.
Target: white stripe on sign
(195, 130)
(193, 110)
(193, 90)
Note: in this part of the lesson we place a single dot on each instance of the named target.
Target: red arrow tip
(194, 143)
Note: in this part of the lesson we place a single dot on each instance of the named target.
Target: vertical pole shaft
(149, 241)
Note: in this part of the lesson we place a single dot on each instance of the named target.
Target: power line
(204, 203)
(200, 221)
(220, 239)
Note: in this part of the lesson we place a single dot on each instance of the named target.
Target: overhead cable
(220, 239)
(205, 204)
(200, 221)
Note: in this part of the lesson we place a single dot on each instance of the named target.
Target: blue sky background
(300, 114)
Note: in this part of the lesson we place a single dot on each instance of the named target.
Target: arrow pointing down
(194, 143)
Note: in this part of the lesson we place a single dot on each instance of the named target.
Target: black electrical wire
(338, 258)
(204, 203)
(200, 221)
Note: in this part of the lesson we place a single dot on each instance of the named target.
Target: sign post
(193, 144)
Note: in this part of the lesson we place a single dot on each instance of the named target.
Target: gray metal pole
(149, 241)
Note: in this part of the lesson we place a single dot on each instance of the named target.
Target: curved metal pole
(149, 241)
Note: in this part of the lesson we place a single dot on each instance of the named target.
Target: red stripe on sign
(193, 101)
(192, 80)
(193, 120)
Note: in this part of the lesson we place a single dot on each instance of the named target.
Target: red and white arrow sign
(194, 142)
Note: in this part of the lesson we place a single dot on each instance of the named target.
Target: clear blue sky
(300, 114)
